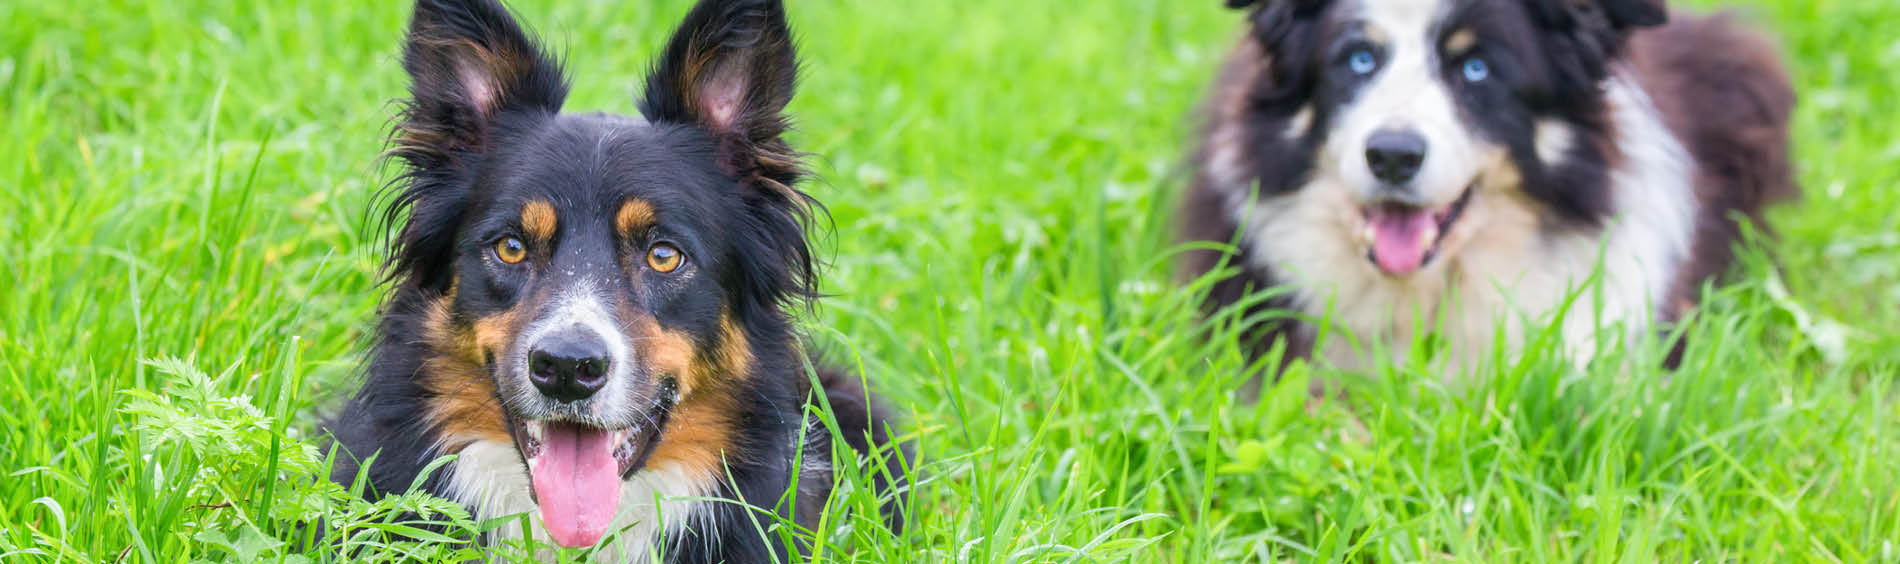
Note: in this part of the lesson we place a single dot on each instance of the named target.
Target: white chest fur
(489, 479)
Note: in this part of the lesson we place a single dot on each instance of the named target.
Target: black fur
(482, 134)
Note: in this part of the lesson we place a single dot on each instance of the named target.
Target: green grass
(189, 280)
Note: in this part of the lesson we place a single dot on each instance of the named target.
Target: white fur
(1649, 242)
(1554, 140)
(1302, 122)
(488, 477)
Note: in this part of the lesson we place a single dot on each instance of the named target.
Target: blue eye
(1476, 70)
(1362, 62)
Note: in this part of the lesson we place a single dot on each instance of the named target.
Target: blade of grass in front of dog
(281, 396)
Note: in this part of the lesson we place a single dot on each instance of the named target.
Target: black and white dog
(591, 310)
(1459, 166)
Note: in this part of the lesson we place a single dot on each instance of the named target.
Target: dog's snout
(1395, 156)
(569, 365)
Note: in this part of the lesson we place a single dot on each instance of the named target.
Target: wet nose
(569, 365)
(1395, 156)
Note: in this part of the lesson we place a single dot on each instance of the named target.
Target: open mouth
(1404, 238)
(576, 470)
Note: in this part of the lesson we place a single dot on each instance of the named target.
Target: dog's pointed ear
(730, 68)
(468, 62)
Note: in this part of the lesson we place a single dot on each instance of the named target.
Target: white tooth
(1371, 234)
(534, 429)
(1428, 236)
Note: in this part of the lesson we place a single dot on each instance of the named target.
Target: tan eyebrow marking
(1460, 42)
(1376, 34)
(634, 216)
(538, 219)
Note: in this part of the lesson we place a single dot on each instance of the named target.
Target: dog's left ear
(731, 69)
(1587, 34)
(1621, 15)
(1608, 20)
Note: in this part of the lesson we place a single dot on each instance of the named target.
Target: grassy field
(189, 281)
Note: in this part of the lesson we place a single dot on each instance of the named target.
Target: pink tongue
(1398, 242)
(577, 483)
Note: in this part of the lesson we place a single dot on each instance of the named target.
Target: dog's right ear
(468, 62)
(470, 65)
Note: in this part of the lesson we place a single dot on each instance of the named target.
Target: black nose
(1395, 156)
(569, 364)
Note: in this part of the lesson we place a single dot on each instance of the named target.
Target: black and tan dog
(1458, 166)
(591, 310)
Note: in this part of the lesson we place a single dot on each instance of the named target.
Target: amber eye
(664, 258)
(511, 250)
